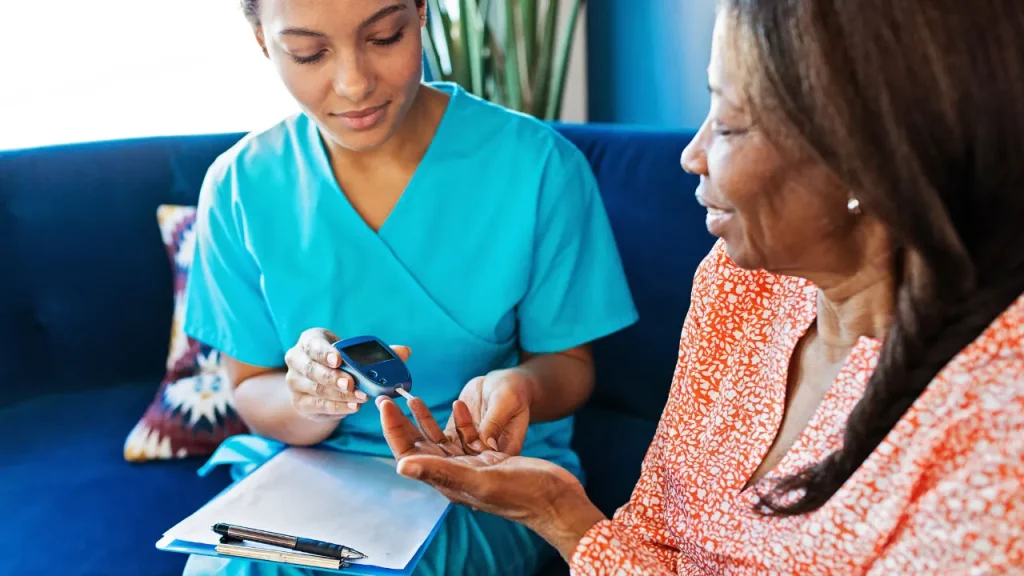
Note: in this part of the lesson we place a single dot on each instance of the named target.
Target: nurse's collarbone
(374, 366)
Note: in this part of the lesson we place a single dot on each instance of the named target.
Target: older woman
(849, 395)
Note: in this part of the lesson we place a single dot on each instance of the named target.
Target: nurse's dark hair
(918, 108)
(251, 9)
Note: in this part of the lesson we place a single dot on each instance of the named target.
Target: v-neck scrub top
(499, 241)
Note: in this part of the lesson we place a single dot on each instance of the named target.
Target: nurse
(420, 214)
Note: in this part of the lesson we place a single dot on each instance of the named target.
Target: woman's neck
(860, 306)
(857, 299)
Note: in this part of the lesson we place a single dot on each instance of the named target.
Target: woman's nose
(694, 158)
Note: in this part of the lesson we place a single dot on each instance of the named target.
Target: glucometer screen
(368, 353)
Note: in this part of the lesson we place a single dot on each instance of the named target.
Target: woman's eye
(722, 130)
(309, 59)
(389, 40)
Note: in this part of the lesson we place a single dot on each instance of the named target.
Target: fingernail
(332, 359)
(409, 470)
(361, 395)
(477, 445)
(344, 383)
(353, 405)
(493, 444)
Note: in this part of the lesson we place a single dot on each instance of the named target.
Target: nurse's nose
(353, 78)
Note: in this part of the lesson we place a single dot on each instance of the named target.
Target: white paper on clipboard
(353, 500)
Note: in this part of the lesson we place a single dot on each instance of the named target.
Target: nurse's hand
(320, 390)
(499, 404)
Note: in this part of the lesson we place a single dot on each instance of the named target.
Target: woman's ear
(258, 32)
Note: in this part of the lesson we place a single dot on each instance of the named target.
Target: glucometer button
(371, 374)
(382, 381)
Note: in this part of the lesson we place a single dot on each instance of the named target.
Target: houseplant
(507, 51)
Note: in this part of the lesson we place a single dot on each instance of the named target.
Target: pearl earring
(853, 206)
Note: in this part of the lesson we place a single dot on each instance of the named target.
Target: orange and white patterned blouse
(943, 494)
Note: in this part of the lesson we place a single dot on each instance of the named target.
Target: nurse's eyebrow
(382, 14)
(302, 32)
(377, 16)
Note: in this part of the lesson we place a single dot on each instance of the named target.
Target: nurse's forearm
(265, 404)
(559, 383)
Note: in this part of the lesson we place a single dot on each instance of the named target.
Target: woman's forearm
(265, 404)
(559, 383)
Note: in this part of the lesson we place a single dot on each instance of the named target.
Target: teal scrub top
(499, 241)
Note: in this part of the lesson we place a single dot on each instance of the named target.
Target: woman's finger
(446, 474)
(425, 420)
(399, 432)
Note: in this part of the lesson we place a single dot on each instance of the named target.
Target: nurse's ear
(421, 7)
(258, 32)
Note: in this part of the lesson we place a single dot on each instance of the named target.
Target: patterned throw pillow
(193, 411)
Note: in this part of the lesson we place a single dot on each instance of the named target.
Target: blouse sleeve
(637, 540)
(969, 518)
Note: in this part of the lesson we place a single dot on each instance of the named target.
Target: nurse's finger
(307, 404)
(403, 352)
(322, 375)
(318, 345)
(302, 385)
(465, 428)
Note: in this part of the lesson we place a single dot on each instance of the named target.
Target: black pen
(307, 545)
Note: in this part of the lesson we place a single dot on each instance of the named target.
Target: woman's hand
(499, 407)
(320, 390)
(536, 493)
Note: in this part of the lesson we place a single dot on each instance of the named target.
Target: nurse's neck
(406, 147)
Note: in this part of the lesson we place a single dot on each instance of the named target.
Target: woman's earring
(853, 206)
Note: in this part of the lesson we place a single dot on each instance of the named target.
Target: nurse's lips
(362, 119)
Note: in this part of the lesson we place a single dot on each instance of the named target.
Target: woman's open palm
(513, 487)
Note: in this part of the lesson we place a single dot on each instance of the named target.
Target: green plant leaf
(430, 53)
(496, 69)
(554, 108)
(456, 37)
(528, 15)
(473, 25)
(542, 84)
(513, 83)
(438, 25)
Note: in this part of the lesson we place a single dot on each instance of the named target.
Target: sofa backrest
(86, 297)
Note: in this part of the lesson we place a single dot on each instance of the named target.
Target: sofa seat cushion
(72, 504)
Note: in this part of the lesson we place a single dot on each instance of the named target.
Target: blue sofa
(85, 311)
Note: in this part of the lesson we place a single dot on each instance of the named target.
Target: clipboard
(247, 489)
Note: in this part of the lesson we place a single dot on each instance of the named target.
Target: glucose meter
(374, 366)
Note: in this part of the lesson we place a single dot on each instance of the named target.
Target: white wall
(574, 101)
(71, 72)
(77, 70)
